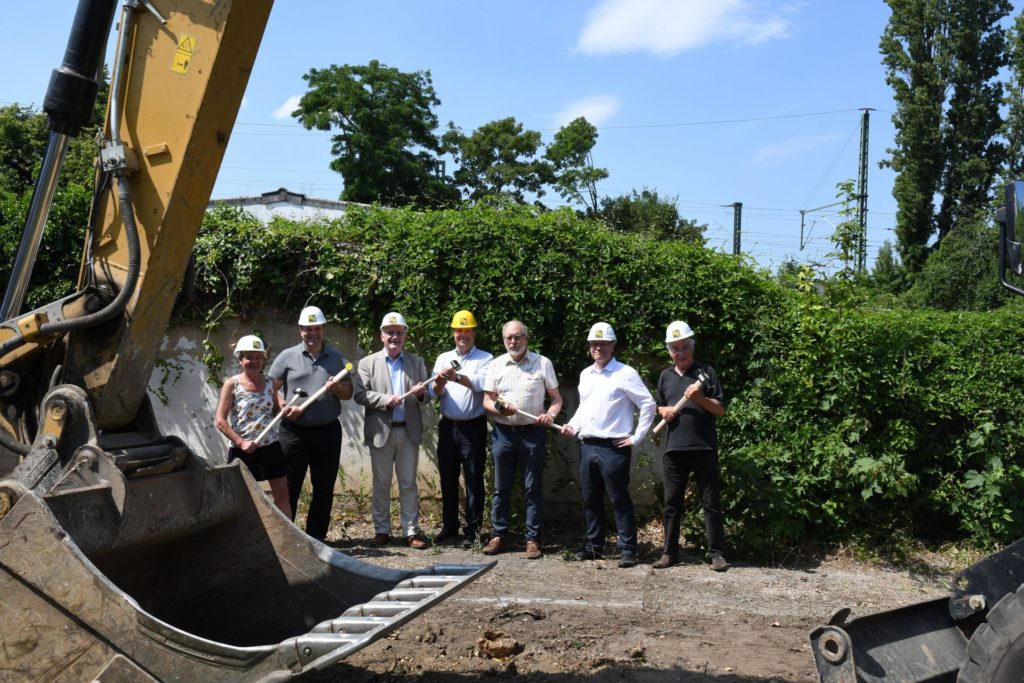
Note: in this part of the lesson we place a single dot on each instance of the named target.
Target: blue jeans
(603, 467)
(518, 448)
(462, 445)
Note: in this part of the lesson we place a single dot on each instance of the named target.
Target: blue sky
(752, 101)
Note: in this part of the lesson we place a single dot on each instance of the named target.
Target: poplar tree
(973, 153)
(912, 58)
(942, 58)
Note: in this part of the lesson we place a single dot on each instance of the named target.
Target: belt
(288, 425)
(397, 424)
(601, 441)
(481, 416)
(517, 428)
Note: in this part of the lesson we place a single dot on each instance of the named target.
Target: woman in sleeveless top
(247, 405)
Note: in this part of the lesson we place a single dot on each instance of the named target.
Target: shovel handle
(320, 392)
(455, 364)
(558, 428)
(277, 418)
(678, 406)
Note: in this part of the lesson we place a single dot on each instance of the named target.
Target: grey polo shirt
(297, 369)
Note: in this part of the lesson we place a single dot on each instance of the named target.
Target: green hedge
(842, 424)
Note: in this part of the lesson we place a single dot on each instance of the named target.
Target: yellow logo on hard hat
(599, 334)
(311, 318)
(393, 320)
(256, 344)
(676, 334)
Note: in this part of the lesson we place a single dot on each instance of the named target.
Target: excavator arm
(123, 555)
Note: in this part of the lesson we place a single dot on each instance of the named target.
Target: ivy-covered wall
(843, 423)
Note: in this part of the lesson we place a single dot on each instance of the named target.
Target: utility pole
(862, 194)
(737, 221)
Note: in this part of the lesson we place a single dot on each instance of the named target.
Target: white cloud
(286, 109)
(780, 151)
(597, 110)
(668, 27)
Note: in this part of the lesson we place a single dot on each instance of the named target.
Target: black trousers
(462, 446)
(704, 466)
(317, 449)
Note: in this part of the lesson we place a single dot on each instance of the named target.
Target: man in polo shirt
(311, 436)
(393, 429)
(462, 430)
(691, 444)
(521, 379)
(610, 392)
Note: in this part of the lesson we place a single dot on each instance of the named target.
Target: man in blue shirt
(462, 431)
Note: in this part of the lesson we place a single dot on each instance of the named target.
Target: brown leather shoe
(380, 540)
(417, 542)
(533, 550)
(494, 546)
(664, 562)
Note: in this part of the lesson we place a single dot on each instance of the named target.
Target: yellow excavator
(123, 555)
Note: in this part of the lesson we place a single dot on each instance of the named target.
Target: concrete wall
(185, 402)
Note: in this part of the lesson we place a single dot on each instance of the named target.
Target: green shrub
(844, 423)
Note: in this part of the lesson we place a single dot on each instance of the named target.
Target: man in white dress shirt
(610, 393)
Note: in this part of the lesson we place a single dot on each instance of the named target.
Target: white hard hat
(393, 318)
(678, 330)
(601, 332)
(311, 315)
(249, 342)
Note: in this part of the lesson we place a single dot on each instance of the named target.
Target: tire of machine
(995, 654)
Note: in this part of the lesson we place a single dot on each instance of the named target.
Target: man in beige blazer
(393, 428)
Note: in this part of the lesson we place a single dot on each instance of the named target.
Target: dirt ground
(591, 621)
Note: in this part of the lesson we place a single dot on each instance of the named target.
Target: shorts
(266, 462)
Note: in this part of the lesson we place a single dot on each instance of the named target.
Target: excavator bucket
(160, 566)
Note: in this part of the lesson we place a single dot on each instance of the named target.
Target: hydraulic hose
(121, 300)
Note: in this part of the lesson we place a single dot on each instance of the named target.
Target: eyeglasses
(515, 337)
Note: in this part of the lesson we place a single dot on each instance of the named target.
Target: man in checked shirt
(520, 378)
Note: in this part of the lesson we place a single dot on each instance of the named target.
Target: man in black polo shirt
(311, 437)
(692, 443)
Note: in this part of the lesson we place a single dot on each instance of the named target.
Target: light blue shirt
(397, 372)
(458, 402)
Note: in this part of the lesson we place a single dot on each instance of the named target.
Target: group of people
(518, 390)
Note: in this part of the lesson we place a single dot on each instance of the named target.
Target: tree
(914, 70)
(646, 212)
(846, 235)
(23, 138)
(384, 126)
(973, 155)
(962, 273)
(888, 274)
(571, 156)
(942, 59)
(498, 158)
(1014, 101)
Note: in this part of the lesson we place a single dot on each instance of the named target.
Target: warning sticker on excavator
(183, 55)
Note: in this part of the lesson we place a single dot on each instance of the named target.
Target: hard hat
(463, 320)
(249, 342)
(601, 332)
(393, 318)
(311, 315)
(678, 330)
